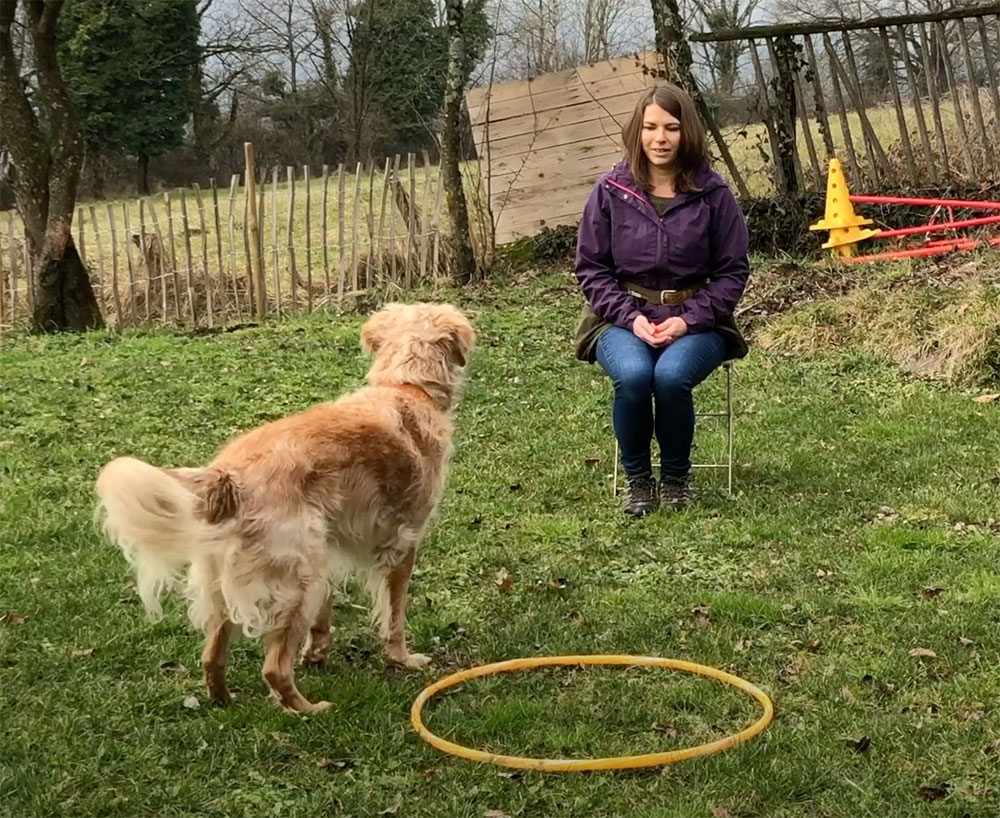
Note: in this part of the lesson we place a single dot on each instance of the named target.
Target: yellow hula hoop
(564, 765)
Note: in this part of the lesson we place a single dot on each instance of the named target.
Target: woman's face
(661, 136)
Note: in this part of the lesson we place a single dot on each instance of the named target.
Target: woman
(662, 262)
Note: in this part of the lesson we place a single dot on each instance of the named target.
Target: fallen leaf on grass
(701, 616)
(504, 581)
(82, 652)
(7, 444)
(170, 666)
(429, 774)
(591, 462)
(933, 793)
(191, 702)
(990, 397)
(721, 811)
(848, 694)
(667, 730)
(965, 643)
(923, 653)
(333, 764)
(393, 808)
(859, 745)
(494, 813)
(558, 584)
(814, 646)
(11, 618)
(930, 593)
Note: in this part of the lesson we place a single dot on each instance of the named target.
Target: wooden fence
(934, 121)
(185, 256)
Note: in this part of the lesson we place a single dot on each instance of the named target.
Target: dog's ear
(459, 339)
(375, 331)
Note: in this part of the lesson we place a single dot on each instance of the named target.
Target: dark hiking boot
(640, 496)
(675, 493)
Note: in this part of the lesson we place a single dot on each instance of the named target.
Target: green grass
(857, 489)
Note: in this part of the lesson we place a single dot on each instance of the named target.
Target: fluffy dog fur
(287, 508)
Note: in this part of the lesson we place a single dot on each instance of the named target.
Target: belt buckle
(664, 294)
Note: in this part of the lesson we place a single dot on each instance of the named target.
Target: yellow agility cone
(840, 219)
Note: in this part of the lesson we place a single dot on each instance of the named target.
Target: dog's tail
(163, 518)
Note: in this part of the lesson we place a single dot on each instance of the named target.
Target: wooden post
(119, 318)
(949, 73)
(188, 263)
(817, 173)
(411, 228)
(128, 257)
(274, 239)
(932, 90)
(819, 100)
(425, 216)
(161, 251)
(341, 206)
(308, 231)
(872, 145)
(782, 58)
(223, 308)
(326, 244)
(262, 231)
(990, 72)
(81, 220)
(354, 229)
(173, 258)
(234, 180)
(783, 183)
(904, 131)
(392, 221)
(145, 256)
(437, 222)
(918, 108)
(842, 111)
(977, 108)
(209, 311)
(371, 224)
(381, 218)
(251, 197)
(102, 286)
(13, 267)
(290, 229)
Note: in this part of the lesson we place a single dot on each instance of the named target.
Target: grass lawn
(854, 576)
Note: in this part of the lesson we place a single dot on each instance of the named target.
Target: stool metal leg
(729, 414)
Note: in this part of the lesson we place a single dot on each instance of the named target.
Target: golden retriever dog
(287, 509)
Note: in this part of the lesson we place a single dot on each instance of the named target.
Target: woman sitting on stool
(662, 262)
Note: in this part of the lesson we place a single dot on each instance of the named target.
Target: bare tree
(723, 59)
(463, 259)
(46, 147)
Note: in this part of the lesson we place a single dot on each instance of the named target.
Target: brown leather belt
(670, 297)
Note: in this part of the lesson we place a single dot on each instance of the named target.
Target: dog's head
(427, 345)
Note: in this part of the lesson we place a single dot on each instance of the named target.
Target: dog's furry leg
(396, 588)
(319, 635)
(214, 659)
(279, 670)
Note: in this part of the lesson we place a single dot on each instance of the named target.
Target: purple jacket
(623, 239)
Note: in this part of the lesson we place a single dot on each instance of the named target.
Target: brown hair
(693, 150)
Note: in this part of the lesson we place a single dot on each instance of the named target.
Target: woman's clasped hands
(659, 335)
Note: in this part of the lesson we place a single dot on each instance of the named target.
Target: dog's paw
(416, 660)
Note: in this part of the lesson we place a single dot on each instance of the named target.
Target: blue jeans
(664, 376)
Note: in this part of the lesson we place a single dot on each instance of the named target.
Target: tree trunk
(463, 258)
(48, 164)
(676, 53)
(64, 298)
(143, 174)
